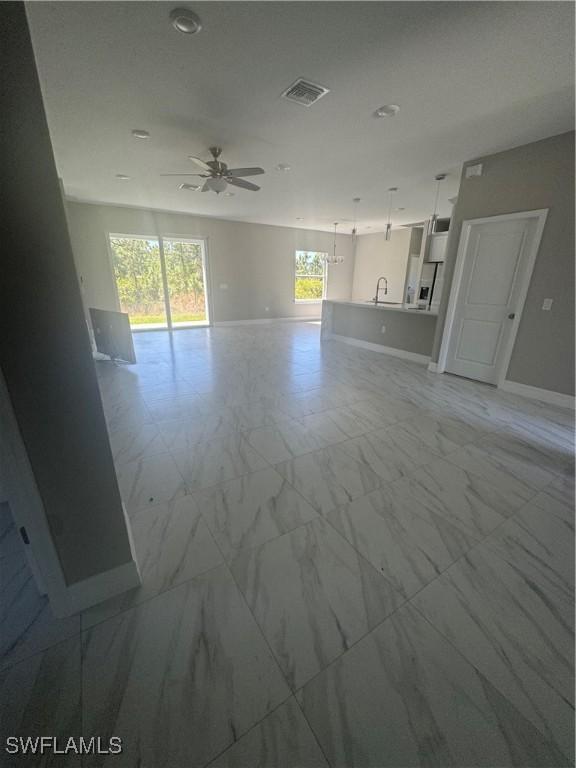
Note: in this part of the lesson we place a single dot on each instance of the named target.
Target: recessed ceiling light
(185, 20)
(138, 133)
(399, 209)
(122, 176)
(190, 187)
(283, 167)
(228, 194)
(388, 110)
(299, 218)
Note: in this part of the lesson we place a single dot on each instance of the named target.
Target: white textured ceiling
(471, 78)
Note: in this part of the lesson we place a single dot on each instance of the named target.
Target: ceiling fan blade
(241, 183)
(201, 163)
(184, 174)
(245, 171)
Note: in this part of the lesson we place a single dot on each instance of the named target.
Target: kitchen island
(401, 330)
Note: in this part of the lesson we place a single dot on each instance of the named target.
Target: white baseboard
(263, 320)
(546, 395)
(403, 353)
(84, 594)
(103, 586)
(433, 367)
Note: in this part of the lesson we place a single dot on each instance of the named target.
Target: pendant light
(391, 191)
(355, 200)
(432, 222)
(333, 258)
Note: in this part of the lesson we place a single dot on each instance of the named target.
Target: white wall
(527, 178)
(377, 257)
(256, 261)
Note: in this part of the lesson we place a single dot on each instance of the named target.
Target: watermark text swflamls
(41, 745)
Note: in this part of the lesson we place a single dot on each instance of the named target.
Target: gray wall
(45, 354)
(413, 332)
(376, 257)
(533, 176)
(255, 261)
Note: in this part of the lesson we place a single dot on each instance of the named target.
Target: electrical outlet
(547, 305)
(266, 309)
(383, 329)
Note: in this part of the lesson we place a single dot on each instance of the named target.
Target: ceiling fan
(218, 175)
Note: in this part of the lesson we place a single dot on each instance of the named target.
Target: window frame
(324, 277)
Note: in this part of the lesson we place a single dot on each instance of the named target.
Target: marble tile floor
(347, 561)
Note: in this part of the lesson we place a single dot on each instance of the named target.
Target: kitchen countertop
(411, 308)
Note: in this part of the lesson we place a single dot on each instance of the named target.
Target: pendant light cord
(436, 196)
(334, 257)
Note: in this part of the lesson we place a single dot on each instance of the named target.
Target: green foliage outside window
(309, 281)
(138, 275)
(185, 280)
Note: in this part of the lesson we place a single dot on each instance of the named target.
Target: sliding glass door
(138, 273)
(186, 281)
(161, 282)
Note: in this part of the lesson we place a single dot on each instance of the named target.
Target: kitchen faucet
(376, 299)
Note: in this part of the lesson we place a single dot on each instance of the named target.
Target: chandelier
(334, 258)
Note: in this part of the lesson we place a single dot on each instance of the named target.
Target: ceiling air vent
(304, 92)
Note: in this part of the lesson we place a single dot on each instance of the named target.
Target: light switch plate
(383, 329)
(223, 286)
(547, 305)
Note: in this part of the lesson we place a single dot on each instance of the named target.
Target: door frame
(160, 238)
(539, 215)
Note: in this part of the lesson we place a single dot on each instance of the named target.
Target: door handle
(512, 315)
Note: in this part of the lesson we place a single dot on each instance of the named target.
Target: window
(310, 276)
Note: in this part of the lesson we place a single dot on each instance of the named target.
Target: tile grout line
(226, 565)
(149, 599)
(409, 600)
(462, 653)
(252, 727)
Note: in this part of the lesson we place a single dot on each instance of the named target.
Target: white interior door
(493, 273)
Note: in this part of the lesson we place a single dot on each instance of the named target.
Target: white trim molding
(535, 393)
(392, 351)
(263, 320)
(540, 218)
(103, 586)
(433, 367)
(100, 587)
